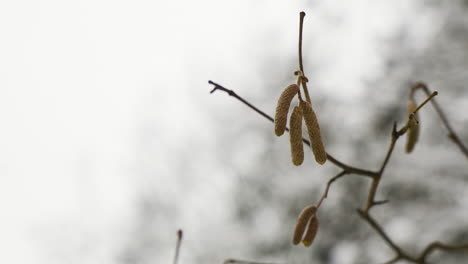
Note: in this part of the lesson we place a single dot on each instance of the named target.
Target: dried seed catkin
(295, 136)
(313, 129)
(413, 129)
(311, 231)
(301, 223)
(282, 108)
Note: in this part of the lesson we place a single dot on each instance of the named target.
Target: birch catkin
(301, 223)
(311, 231)
(295, 136)
(282, 108)
(413, 129)
(313, 129)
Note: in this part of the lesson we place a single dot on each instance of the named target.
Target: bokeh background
(110, 140)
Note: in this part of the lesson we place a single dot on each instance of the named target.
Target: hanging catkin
(413, 129)
(295, 136)
(313, 129)
(282, 108)
(311, 231)
(301, 223)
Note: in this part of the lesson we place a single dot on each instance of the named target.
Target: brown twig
(301, 65)
(325, 193)
(451, 132)
(440, 246)
(237, 261)
(179, 241)
(338, 163)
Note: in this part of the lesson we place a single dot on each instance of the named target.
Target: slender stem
(325, 193)
(301, 65)
(237, 261)
(301, 23)
(179, 241)
(425, 101)
(232, 93)
(452, 135)
(440, 246)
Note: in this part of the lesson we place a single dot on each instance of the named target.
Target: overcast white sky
(79, 80)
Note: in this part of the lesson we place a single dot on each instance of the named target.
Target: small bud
(413, 128)
(282, 108)
(311, 231)
(301, 223)
(295, 136)
(313, 129)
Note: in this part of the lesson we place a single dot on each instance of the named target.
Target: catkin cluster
(413, 127)
(302, 111)
(306, 227)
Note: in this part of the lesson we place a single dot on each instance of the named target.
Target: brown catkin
(313, 129)
(301, 223)
(413, 129)
(282, 108)
(311, 231)
(295, 136)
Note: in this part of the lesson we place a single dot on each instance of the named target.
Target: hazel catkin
(301, 223)
(282, 108)
(413, 128)
(313, 129)
(311, 231)
(295, 136)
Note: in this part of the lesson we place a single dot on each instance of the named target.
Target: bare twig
(301, 65)
(451, 132)
(237, 261)
(179, 241)
(339, 164)
(366, 216)
(440, 246)
(325, 193)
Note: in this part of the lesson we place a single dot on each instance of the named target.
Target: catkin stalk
(282, 108)
(311, 231)
(413, 128)
(295, 136)
(313, 129)
(301, 223)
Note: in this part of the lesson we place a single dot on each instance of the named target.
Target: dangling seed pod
(301, 223)
(413, 128)
(295, 136)
(313, 129)
(311, 231)
(282, 108)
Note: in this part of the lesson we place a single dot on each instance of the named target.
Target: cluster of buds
(301, 111)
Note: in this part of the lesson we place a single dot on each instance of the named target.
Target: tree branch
(451, 135)
(338, 163)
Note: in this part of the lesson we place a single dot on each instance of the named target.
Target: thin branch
(440, 246)
(179, 241)
(237, 261)
(338, 163)
(400, 253)
(325, 193)
(301, 65)
(394, 137)
(232, 93)
(452, 135)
